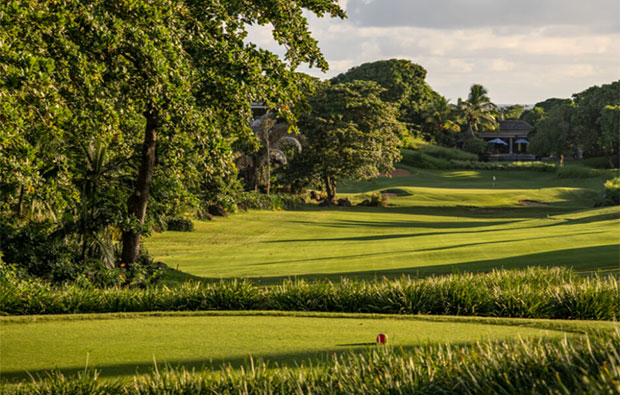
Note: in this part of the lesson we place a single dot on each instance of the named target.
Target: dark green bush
(40, 248)
(180, 224)
(576, 171)
(612, 191)
(423, 161)
(448, 153)
(261, 201)
(476, 146)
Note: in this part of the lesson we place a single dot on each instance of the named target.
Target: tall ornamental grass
(590, 365)
(529, 293)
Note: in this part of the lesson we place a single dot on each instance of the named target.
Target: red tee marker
(382, 338)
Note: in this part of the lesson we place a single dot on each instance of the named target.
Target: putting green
(123, 344)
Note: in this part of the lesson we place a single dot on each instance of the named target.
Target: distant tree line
(586, 125)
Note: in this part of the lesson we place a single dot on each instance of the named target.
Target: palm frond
(289, 140)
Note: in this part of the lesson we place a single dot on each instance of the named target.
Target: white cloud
(517, 64)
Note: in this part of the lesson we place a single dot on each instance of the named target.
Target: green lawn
(441, 221)
(121, 344)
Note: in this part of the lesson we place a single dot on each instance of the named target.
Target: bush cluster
(179, 224)
(587, 365)
(447, 153)
(424, 160)
(612, 191)
(40, 249)
(261, 201)
(530, 293)
(580, 172)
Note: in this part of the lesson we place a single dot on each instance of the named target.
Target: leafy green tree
(512, 112)
(533, 116)
(440, 121)
(595, 128)
(549, 104)
(404, 86)
(609, 139)
(351, 133)
(165, 78)
(555, 133)
(477, 111)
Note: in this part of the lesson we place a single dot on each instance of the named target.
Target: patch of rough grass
(531, 293)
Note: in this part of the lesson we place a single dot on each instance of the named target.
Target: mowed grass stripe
(120, 346)
(285, 243)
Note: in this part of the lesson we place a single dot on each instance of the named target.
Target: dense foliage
(612, 190)
(588, 125)
(108, 105)
(404, 86)
(350, 133)
(584, 365)
(531, 293)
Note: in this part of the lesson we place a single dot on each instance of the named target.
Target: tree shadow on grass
(274, 360)
(584, 259)
(291, 359)
(512, 212)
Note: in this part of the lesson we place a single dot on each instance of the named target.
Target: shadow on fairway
(493, 212)
(582, 260)
(276, 359)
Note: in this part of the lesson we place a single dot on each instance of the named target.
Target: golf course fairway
(121, 344)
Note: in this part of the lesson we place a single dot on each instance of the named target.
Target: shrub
(531, 293)
(423, 161)
(448, 153)
(261, 201)
(40, 248)
(580, 172)
(378, 200)
(476, 146)
(179, 224)
(612, 191)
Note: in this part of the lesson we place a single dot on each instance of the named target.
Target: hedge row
(529, 293)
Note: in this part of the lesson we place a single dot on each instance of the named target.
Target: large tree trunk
(329, 186)
(136, 204)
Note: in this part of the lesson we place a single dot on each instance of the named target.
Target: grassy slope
(445, 220)
(119, 344)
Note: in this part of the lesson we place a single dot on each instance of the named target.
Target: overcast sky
(522, 51)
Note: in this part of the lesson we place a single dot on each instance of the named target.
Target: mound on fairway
(123, 344)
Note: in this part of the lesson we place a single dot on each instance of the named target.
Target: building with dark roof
(510, 137)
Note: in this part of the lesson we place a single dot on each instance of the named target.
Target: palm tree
(439, 117)
(272, 135)
(477, 111)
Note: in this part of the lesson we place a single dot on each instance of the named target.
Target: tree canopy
(477, 111)
(351, 133)
(165, 85)
(403, 83)
(588, 123)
